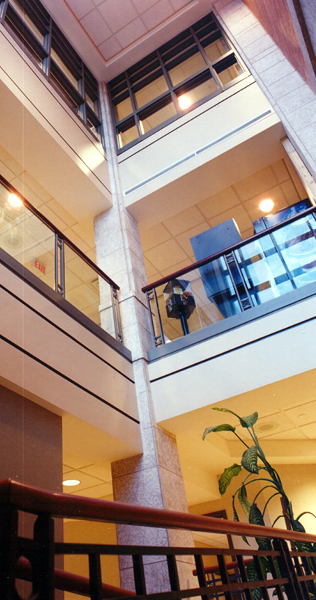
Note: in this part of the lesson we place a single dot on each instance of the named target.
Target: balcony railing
(271, 263)
(30, 238)
(286, 567)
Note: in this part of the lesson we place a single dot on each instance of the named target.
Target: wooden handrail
(36, 500)
(69, 582)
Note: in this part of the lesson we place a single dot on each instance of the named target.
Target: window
(41, 38)
(192, 67)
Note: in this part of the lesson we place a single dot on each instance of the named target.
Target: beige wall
(56, 148)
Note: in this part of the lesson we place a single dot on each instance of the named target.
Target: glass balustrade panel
(297, 246)
(26, 238)
(196, 300)
(82, 289)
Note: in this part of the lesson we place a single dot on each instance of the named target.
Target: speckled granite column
(153, 478)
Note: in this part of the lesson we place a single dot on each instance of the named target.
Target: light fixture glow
(266, 205)
(184, 102)
(15, 201)
(71, 482)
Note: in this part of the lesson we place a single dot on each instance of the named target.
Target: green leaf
(243, 499)
(306, 512)
(227, 476)
(256, 593)
(249, 421)
(250, 460)
(256, 518)
(226, 410)
(297, 526)
(215, 428)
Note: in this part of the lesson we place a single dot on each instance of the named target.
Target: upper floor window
(41, 38)
(192, 67)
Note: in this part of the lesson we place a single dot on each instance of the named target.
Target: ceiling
(111, 35)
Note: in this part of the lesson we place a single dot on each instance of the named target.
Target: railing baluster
(243, 575)
(275, 575)
(292, 588)
(224, 575)
(261, 577)
(43, 567)
(173, 573)
(116, 315)
(139, 574)
(201, 574)
(8, 551)
(95, 577)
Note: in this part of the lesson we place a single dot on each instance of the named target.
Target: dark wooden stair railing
(292, 571)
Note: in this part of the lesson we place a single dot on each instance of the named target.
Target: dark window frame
(191, 41)
(41, 55)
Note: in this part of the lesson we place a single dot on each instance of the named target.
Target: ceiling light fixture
(184, 102)
(15, 201)
(71, 482)
(266, 205)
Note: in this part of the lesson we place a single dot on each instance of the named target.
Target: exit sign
(38, 265)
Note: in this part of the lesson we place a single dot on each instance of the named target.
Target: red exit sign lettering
(38, 265)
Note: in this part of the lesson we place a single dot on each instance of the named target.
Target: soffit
(111, 35)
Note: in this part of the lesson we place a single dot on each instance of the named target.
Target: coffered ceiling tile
(214, 205)
(150, 269)
(96, 27)
(303, 414)
(117, 13)
(238, 213)
(98, 2)
(280, 171)
(184, 238)
(153, 236)
(110, 47)
(166, 255)
(131, 32)
(177, 267)
(255, 184)
(290, 434)
(142, 5)
(178, 4)
(158, 13)
(183, 221)
(309, 430)
(80, 8)
(290, 192)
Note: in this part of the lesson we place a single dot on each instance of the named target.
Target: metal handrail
(228, 249)
(57, 231)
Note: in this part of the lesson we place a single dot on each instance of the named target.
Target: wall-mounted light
(14, 201)
(266, 205)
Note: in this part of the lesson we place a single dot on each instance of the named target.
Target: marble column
(153, 478)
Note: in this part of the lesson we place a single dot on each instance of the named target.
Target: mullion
(22, 31)
(169, 83)
(134, 107)
(41, 22)
(3, 10)
(63, 80)
(207, 61)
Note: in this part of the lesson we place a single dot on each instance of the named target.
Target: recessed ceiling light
(71, 482)
(184, 102)
(15, 201)
(266, 205)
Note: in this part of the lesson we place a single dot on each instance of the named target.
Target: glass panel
(230, 73)
(36, 32)
(93, 104)
(187, 68)
(123, 109)
(263, 270)
(196, 300)
(158, 117)
(201, 91)
(297, 247)
(125, 137)
(26, 238)
(82, 285)
(151, 91)
(75, 82)
(216, 49)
